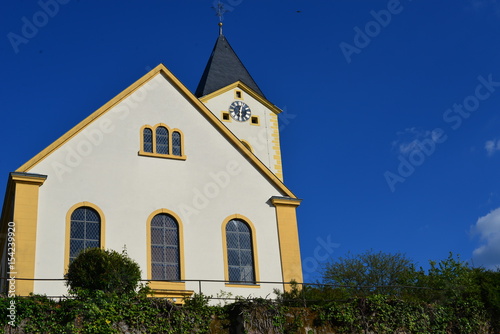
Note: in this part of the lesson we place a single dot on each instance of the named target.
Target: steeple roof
(224, 68)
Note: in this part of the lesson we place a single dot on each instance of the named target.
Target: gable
(247, 90)
(260, 132)
(106, 126)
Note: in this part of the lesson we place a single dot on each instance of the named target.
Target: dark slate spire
(224, 68)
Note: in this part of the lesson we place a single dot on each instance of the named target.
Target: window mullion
(154, 139)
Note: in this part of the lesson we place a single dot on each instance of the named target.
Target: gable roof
(224, 68)
(161, 69)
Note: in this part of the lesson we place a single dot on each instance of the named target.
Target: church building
(191, 185)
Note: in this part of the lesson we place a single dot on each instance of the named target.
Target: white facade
(260, 137)
(98, 162)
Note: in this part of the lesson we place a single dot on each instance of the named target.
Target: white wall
(101, 165)
(259, 137)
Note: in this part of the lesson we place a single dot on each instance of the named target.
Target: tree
(106, 270)
(489, 286)
(371, 272)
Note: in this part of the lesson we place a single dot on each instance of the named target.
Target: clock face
(239, 111)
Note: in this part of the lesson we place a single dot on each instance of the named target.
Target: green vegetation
(370, 272)
(384, 295)
(105, 270)
(101, 313)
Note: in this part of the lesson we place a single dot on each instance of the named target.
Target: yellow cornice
(161, 69)
(248, 90)
(285, 201)
(28, 178)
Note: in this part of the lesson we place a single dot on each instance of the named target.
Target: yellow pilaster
(276, 145)
(25, 219)
(288, 235)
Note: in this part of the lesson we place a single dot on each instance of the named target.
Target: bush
(105, 270)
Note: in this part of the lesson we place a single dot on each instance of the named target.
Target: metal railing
(301, 291)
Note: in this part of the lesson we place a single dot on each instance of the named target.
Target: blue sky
(391, 130)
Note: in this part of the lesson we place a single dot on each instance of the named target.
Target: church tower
(229, 91)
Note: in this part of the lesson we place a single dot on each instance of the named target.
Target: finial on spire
(219, 11)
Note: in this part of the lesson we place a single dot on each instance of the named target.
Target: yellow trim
(252, 286)
(141, 135)
(170, 141)
(25, 216)
(68, 228)
(254, 250)
(175, 296)
(182, 142)
(252, 118)
(288, 236)
(164, 156)
(163, 288)
(37, 180)
(247, 145)
(92, 117)
(236, 91)
(7, 217)
(222, 113)
(286, 201)
(246, 89)
(276, 145)
(197, 103)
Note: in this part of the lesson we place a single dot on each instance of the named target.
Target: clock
(239, 111)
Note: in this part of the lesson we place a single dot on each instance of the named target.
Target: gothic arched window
(165, 248)
(240, 255)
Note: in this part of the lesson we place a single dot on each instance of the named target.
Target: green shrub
(105, 270)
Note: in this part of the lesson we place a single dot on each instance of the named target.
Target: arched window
(176, 143)
(85, 231)
(148, 140)
(164, 248)
(162, 140)
(240, 255)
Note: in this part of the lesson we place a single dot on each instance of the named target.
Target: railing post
(302, 292)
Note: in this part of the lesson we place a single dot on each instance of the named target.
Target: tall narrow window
(176, 143)
(239, 252)
(162, 140)
(85, 231)
(148, 140)
(164, 248)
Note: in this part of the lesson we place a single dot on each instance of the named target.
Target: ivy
(98, 312)
(451, 298)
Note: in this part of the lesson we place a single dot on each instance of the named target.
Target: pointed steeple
(224, 68)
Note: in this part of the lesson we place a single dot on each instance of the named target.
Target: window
(238, 94)
(176, 143)
(255, 120)
(225, 116)
(148, 140)
(164, 248)
(162, 142)
(85, 231)
(240, 255)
